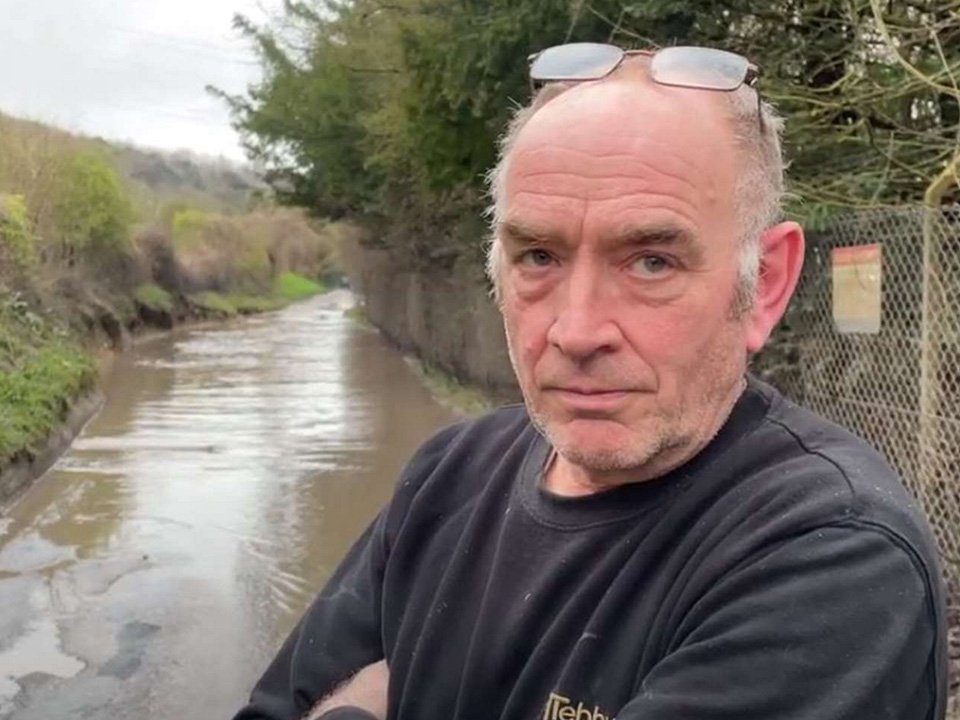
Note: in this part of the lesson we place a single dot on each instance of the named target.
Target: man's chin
(599, 444)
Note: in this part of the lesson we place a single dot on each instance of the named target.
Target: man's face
(620, 271)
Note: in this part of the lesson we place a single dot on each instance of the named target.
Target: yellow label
(563, 708)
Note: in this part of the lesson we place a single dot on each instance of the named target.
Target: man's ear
(781, 260)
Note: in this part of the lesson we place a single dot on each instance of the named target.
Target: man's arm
(362, 697)
(838, 623)
(338, 635)
(341, 632)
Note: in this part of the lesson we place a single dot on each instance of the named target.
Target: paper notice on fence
(857, 292)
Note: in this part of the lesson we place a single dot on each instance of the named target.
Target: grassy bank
(45, 367)
(42, 371)
(289, 287)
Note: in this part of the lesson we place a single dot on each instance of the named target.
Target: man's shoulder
(839, 476)
(470, 449)
(503, 424)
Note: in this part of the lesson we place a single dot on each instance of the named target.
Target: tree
(390, 110)
(92, 211)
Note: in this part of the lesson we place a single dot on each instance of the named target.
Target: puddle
(36, 651)
(31, 552)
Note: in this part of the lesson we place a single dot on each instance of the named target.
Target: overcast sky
(132, 70)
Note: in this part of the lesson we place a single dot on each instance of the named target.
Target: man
(655, 535)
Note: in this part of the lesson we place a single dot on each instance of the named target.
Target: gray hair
(757, 196)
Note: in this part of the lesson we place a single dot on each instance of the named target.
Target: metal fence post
(930, 345)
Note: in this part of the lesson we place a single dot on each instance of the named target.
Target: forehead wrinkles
(657, 178)
(590, 176)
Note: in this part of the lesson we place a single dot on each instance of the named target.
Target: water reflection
(188, 527)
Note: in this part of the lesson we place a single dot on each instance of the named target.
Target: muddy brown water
(155, 569)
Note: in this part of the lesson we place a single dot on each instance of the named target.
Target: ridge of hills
(215, 183)
(159, 177)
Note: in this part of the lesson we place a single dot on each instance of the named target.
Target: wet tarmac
(153, 572)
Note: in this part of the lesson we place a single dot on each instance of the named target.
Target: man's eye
(536, 258)
(652, 266)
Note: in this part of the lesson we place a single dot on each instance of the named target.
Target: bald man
(654, 534)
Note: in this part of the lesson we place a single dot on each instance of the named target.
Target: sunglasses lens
(699, 68)
(575, 61)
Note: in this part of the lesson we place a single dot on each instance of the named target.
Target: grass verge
(153, 297)
(449, 391)
(291, 287)
(42, 372)
(250, 304)
(288, 288)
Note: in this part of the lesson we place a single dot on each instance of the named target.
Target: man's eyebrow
(675, 237)
(521, 233)
(656, 235)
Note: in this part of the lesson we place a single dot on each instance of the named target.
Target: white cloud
(131, 70)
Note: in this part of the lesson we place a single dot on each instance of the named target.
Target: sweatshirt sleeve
(338, 635)
(836, 623)
(341, 631)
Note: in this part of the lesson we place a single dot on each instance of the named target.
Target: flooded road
(155, 570)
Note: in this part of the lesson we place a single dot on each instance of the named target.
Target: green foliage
(466, 64)
(16, 233)
(253, 261)
(41, 373)
(870, 100)
(153, 297)
(309, 116)
(391, 111)
(291, 286)
(93, 213)
(188, 226)
(250, 304)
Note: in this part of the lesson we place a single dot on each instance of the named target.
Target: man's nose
(585, 321)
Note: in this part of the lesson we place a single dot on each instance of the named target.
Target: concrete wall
(446, 319)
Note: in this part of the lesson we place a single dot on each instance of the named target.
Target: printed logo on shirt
(562, 708)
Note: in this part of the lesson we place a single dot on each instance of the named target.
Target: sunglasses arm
(752, 80)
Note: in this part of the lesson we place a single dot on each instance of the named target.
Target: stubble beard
(662, 434)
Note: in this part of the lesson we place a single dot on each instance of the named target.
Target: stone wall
(445, 318)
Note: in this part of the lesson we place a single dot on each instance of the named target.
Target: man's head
(636, 266)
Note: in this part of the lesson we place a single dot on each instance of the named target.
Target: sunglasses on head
(690, 67)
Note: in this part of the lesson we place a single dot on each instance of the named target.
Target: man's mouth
(587, 389)
(590, 398)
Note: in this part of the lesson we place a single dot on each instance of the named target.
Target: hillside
(155, 178)
(215, 184)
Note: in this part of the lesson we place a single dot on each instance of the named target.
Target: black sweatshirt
(782, 573)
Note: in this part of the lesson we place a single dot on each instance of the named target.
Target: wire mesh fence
(873, 343)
